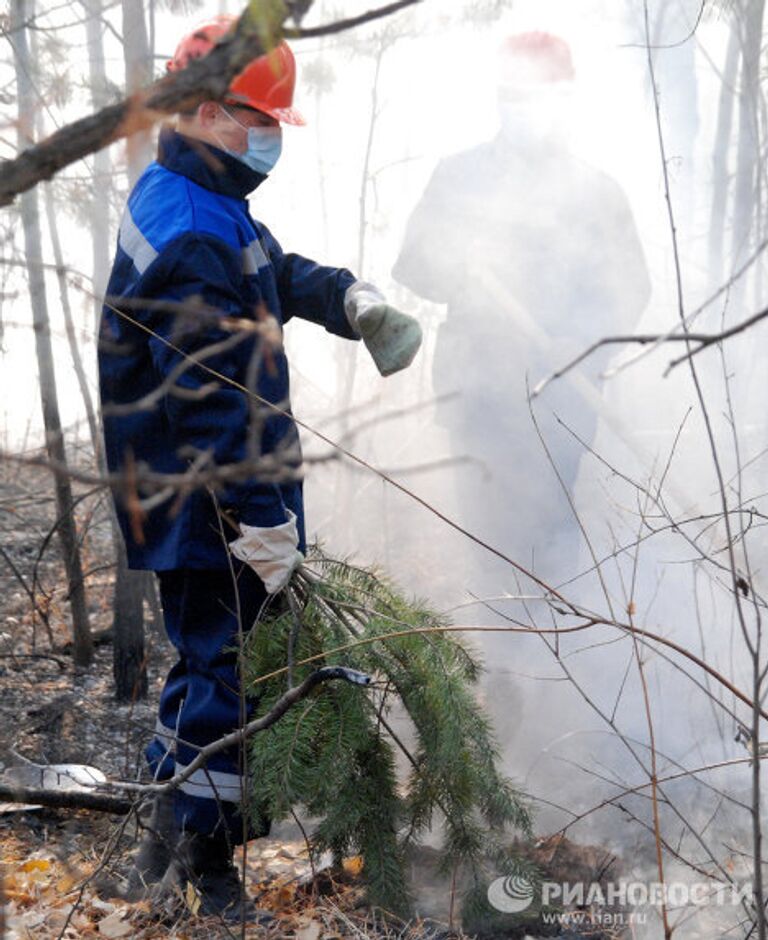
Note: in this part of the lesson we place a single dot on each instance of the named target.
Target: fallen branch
(66, 799)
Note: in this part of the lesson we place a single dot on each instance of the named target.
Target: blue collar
(206, 165)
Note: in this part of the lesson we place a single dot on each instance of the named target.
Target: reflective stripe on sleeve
(134, 244)
(254, 257)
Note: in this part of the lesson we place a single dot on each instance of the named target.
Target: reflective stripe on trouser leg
(201, 697)
(162, 748)
(161, 752)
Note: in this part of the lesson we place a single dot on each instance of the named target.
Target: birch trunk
(138, 72)
(720, 176)
(21, 11)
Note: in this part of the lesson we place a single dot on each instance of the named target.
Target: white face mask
(265, 144)
(540, 116)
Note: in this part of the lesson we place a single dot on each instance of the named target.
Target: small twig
(654, 774)
(705, 340)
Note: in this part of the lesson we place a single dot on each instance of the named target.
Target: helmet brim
(283, 115)
(287, 116)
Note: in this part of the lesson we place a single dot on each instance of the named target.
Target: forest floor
(52, 861)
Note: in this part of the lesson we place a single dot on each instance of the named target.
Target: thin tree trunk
(69, 324)
(129, 666)
(747, 195)
(720, 176)
(347, 370)
(138, 73)
(748, 182)
(365, 179)
(82, 641)
(747, 179)
(102, 162)
(129, 661)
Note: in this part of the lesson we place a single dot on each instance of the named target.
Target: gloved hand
(393, 338)
(271, 551)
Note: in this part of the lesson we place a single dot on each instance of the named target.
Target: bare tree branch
(703, 339)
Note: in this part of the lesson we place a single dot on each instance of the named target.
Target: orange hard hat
(535, 58)
(266, 84)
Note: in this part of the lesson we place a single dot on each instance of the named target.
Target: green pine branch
(334, 753)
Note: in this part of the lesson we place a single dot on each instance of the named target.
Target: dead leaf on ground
(353, 866)
(192, 897)
(35, 867)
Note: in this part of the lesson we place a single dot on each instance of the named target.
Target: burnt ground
(50, 713)
(53, 861)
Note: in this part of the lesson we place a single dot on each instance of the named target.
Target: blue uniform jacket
(187, 239)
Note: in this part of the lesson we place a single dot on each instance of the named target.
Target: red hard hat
(266, 84)
(535, 58)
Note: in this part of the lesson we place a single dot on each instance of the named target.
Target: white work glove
(271, 551)
(393, 338)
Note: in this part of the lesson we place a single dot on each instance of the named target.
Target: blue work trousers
(201, 702)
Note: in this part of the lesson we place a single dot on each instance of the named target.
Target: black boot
(206, 863)
(156, 850)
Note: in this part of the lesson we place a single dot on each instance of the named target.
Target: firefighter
(191, 266)
(536, 255)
